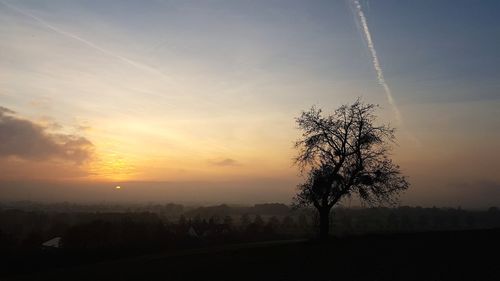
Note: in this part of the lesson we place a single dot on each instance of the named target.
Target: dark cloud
(25, 139)
(4, 110)
(225, 162)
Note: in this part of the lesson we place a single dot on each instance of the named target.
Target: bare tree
(345, 154)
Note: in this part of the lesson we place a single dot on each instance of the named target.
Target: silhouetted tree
(228, 221)
(345, 154)
(245, 221)
(258, 220)
(273, 223)
(182, 220)
(288, 223)
(303, 222)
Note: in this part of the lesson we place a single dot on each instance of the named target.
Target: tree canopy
(344, 154)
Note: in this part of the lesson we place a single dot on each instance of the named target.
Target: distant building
(52, 243)
(192, 232)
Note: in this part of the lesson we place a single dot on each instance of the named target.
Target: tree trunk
(324, 223)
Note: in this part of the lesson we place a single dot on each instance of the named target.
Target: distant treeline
(35, 222)
(93, 232)
(412, 219)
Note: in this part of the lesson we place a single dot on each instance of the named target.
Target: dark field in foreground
(459, 255)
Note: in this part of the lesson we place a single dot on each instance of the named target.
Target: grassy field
(461, 255)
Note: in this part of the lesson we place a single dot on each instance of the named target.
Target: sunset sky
(194, 101)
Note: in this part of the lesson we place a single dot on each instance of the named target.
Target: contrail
(363, 25)
(84, 41)
(98, 48)
(375, 61)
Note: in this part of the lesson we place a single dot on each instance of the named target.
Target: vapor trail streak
(363, 25)
(375, 61)
(84, 41)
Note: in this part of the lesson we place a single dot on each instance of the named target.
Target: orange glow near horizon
(111, 167)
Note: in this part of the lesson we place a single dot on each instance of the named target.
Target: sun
(118, 187)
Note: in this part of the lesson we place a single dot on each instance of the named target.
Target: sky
(194, 101)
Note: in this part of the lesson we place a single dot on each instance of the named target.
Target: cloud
(225, 162)
(4, 110)
(27, 140)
